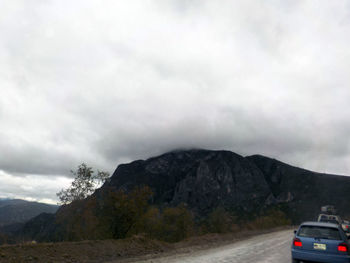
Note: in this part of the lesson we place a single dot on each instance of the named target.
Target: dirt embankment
(126, 250)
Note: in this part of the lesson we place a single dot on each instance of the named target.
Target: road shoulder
(200, 243)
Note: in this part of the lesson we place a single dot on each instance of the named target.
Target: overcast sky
(108, 81)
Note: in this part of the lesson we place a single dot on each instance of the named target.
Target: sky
(107, 82)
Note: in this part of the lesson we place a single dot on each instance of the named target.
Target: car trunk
(320, 245)
(321, 239)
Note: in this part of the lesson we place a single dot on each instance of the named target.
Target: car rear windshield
(319, 232)
(329, 221)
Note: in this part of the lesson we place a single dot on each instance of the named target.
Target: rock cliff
(204, 180)
(199, 178)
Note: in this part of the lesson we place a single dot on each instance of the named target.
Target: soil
(126, 250)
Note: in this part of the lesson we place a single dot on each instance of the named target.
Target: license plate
(320, 246)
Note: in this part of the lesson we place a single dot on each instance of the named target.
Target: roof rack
(328, 209)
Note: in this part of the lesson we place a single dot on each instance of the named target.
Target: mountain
(202, 180)
(199, 178)
(13, 211)
(205, 179)
(303, 191)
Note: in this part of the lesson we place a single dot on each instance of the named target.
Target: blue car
(320, 242)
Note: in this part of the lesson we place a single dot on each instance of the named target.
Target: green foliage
(272, 218)
(177, 223)
(127, 214)
(220, 221)
(172, 224)
(84, 184)
(128, 209)
(3, 239)
(120, 214)
(150, 224)
(111, 214)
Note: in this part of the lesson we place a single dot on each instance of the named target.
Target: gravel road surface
(267, 248)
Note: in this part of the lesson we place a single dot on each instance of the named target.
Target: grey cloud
(109, 82)
(225, 129)
(32, 187)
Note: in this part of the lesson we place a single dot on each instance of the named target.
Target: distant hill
(13, 211)
(202, 180)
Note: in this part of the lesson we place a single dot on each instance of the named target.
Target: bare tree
(84, 184)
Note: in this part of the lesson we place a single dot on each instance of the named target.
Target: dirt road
(267, 248)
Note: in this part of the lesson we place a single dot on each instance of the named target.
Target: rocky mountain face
(204, 180)
(201, 179)
(303, 192)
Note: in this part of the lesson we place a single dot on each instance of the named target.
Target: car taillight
(297, 242)
(343, 247)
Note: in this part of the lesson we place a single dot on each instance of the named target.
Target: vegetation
(84, 184)
(271, 218)
(120, 214)
(3, 239)
(172, 224)
(220, 221)
(123, 214)
(131, 213)
(125, 210)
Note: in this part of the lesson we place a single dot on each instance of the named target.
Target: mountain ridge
(203, 180)
(13, 211)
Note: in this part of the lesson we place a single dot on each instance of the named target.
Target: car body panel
(320, 243)
(316, 257)
(346, 226)
(329, 218)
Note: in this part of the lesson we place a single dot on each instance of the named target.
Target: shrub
(177, 223)
(273, 218)
(220, 221)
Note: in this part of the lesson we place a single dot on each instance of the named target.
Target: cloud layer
(106, 82)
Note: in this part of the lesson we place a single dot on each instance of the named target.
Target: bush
(172, 224)
(220, 221)
(3, 239)
(125, 210)
(273, 218)
(177, 224)
(113, 215)
(150, 224)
